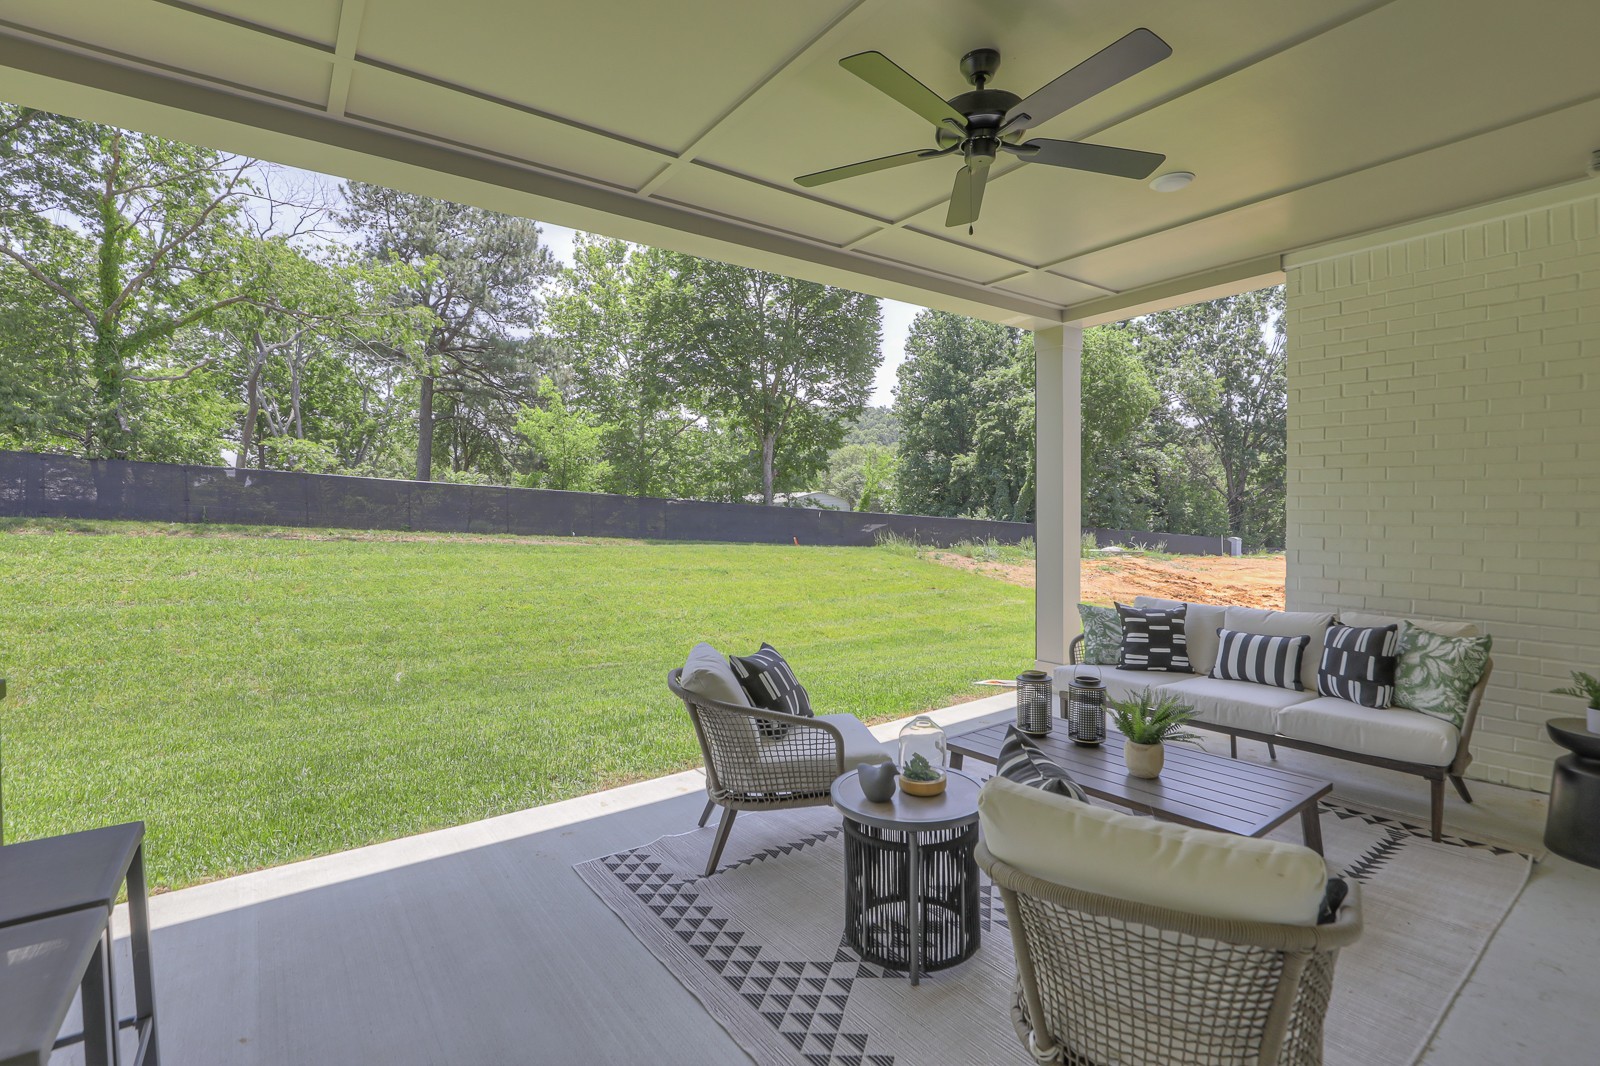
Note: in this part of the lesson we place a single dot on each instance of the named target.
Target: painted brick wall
(1444, 450)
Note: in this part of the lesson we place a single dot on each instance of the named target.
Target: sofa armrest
(1458, 765)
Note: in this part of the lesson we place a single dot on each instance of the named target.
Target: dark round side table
(911, 879)
(1572, 829)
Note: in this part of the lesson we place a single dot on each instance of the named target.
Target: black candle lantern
(1083, 705)
(1033, 702)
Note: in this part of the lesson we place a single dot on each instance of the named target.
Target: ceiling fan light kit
(983, 122)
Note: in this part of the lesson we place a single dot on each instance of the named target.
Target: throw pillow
(1259, 658)
(1358, 664)
(771, 685)
(1102, 635)
(1332, 900)
(1436, 673)
(1020, 760)
(1154, 639)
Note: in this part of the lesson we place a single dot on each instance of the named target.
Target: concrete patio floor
(480, 945)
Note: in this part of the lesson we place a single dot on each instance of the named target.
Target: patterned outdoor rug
(761, 944)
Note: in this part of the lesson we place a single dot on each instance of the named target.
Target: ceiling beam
(351, 12)
(1230, 280)
(69, 81)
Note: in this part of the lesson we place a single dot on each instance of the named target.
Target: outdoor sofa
(1395, 738)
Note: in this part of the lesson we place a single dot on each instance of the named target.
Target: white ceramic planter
(1144, 760)
(1594, 719)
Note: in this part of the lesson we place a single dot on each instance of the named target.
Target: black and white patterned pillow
(771, 685)
(1259, 658)
(1021, 761)
(1154, 639)
(1358, 664)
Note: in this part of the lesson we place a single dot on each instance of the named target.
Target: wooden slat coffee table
(1195, 787)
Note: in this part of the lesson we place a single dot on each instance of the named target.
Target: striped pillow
(1358, 664)
(1020, 760)
(1154, 639)
(1259, 658)
(771, 685)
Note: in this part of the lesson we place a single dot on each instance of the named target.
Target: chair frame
(1291, 968)
(737, 779)
(1455, 770)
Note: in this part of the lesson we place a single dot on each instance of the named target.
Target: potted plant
(919, 777)
(1584, 687)
(1147, 720)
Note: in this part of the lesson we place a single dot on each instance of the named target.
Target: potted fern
(1148, 720)
(1585, 687)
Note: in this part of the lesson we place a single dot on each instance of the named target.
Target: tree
(131, 238)
(862, 474)
(874, 425)
(481, 275)
(623, 315)
(1117, 399)
(567, 444)
(1220, 366)
(965, 407)
(788, 362)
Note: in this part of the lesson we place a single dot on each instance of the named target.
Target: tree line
(166, 302)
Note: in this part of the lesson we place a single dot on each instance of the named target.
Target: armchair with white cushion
(1145, 942)
(757, 759)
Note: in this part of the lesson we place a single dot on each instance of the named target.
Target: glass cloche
(922, 736)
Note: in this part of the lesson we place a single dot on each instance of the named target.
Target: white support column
(1058, 428)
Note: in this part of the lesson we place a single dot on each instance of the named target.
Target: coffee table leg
(914, 906)
(99, 1006)
(956, 759)
(144, 992)
(1311, 823)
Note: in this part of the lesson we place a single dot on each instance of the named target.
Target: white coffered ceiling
(682, 123)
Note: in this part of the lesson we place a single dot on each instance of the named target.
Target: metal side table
(82, 873)
(911, 879)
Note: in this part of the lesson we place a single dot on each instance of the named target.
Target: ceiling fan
(984, 122)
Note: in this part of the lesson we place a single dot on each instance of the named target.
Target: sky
(896, 320)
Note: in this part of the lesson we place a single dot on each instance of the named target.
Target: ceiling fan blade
(1116, 62)
(966, 197)
(866, 166)
(1099, 158)
(880, 72)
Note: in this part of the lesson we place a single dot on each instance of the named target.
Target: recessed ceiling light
(1172, 182)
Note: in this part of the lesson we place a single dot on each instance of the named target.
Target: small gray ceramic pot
(877, 780)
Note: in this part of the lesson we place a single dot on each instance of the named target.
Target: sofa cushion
(1120, 684)
(1358, 664)
(708, 674)
(800, 744)
(1154, 639)
(1102, 635)
(1436, 674)
(1284, 624)
(1449, 629)
(1198, 871)
(1240, 704)
(1262, 660)
(1200, 625)
(1390, 732)
(1020, 760)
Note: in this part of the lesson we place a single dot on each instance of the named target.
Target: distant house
(816, 501)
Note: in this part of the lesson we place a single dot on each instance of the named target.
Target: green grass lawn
(259, 698)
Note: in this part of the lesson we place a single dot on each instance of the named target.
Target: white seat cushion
(1390, 732)
(1197, 871)
(1120, 684)
(799, 744)
(1240, 704)
(1200, 624)
(1378, 621)
(1313, 624)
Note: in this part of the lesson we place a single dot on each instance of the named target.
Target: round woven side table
(911, 879)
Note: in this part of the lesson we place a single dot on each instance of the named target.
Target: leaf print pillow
(1437, 673)
(1102, 635)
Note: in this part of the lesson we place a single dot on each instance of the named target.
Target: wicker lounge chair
(746, 770)
(1105, 979)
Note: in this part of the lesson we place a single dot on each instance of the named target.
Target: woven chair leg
(723, 827)
(705, 815)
